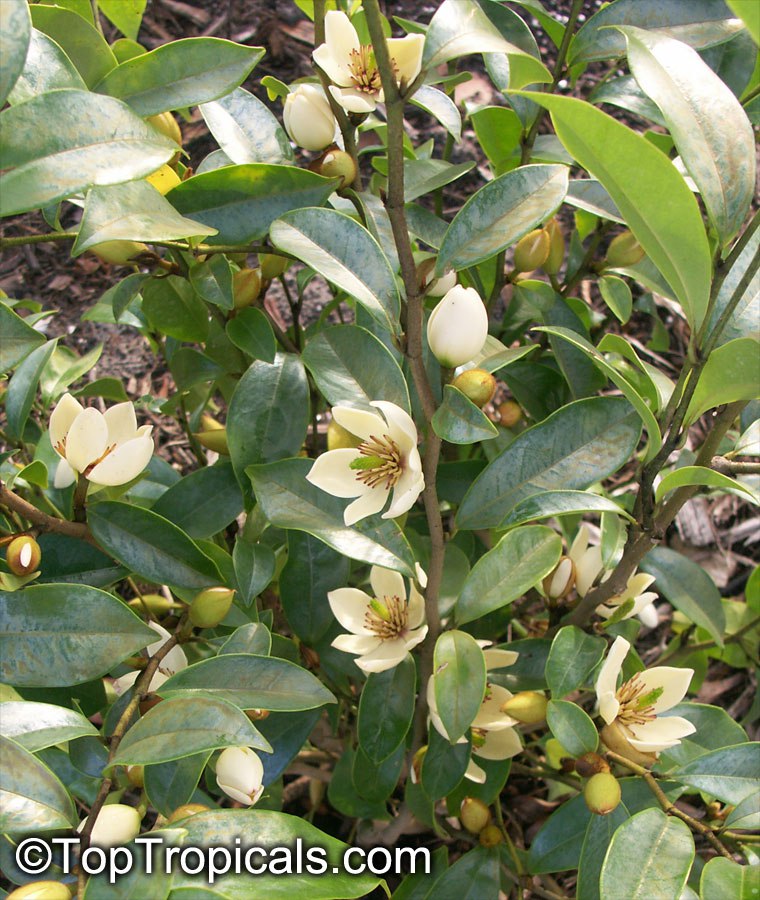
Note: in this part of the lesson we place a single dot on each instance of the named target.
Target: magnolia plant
(398, 543)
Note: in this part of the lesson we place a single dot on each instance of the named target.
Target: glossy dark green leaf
(730, 774)
(386, 708)
(649, 858)
(173, 308)
(183, 726)
(443, 765)
(212, 280)
(459, 681)
(180, 73)
(715, 729)
(459, 421)
(560, 503)
(559, 841)
(15, 32)
(730, 374)
(254, 567)
(500, 213)
(42, 647)
(578, 445)
(597, 839)
(473, 876)
(344, 253)
(203, 502)
(287, 733)
(241, 202)
(573, 657)
(516, 564)
(288, 500)
(745, 814)
(22, 388)
(151, 546)
(78, 38)
(373, 781)
(190, 367)
(171, 784)
(254, 637)
(19, 339)
(723, 878)
(572, 727)
(251, 332)
(68, 560)
(700, 475)
(246, 130)
(35, 726)
(32, 798)
(250, 682)
(351, 366)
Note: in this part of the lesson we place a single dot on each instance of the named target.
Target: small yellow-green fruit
(553, 261)
(167, 125)
(559, 583)
(41, 890)
(164, 179)
(490, 836)
(528, 707)
(118, 253)
(338, 438)
(246, 287)
(510, 413)
(156, 604)
(215, 440)
(23, 555)
(338, 164)
(614, 738)
(187, 809)
(477, 385)
(602, 793)
(136, 776)
(555, 753)
(591, 764)
(624, 250)
(532, 250)
(272, 265)
(474, 814)
(209, 607)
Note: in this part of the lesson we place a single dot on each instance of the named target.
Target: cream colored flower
(458, 327)
(115, 825)
(308, 118)
(352, 68)
(636, 706)
(383, 627)
(173, 662)
(587, 561)
(386, 459)
(108, 448)
(240, 774)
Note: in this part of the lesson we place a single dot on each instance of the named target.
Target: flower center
(636, 702)
(380, 462)
(387, 618)
(364, 72)
(478, 737)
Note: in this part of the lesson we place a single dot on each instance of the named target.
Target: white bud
(116, 825)
(458, 327)
(239, 773)
(308, 118)
(440, 286)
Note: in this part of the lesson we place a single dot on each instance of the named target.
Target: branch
(42, 520)
(730, 467)
(685, 650)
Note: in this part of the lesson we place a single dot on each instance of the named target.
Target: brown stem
(731, 467)
(42, 520)
(685, 650)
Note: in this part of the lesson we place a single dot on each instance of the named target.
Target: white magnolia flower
(352, 67)
(308, 118)
(458, 327)
(173, 662)
(240, 774)
(384, 627)
(115, 825)
(586, 560)
(387, 458)
(636, 706)
(108, 448)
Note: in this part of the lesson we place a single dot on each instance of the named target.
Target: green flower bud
(477, 385)
(624, 250)
(532, 250)
(553, 261)
(474, 815)
(167, 125)
(215, 440)
(272, 265)
(510, 413)
(23, 555)
(338, 164)
(156, 604)
(591, 764)
(602, 793)
(187, 809)
(246, 287)
(490, 836)
(136, 776)
(528, 707)
(118, 253)
(210, 606)
(41, 890)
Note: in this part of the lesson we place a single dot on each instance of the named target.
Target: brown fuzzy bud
(624, 250)
(477, 385)
(23, 555)
(615, 739)
(210, 606)
(474, 815)
(528, 707)
(510, 413)
(490, 836)
(602, 793)
(41, 890)
(591, 764)
(553, 261)
(558, 584)
(246, 287)
(187, 809)
(532, 250)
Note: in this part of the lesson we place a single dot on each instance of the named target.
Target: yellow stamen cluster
(364, 72)
(386, 463)
(387, 618)
(636, 707)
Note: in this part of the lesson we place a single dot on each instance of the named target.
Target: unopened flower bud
(338, 438)
(156, 604)
(338, 164)
(210, 606)
(272, 265)
(187, 809)
(510, 413)
(528, 707)
(559, 583)
(602, 793)
(116, 824)
(136, 776)
(474, 815)
(118, 253)
(490, 836)
(41, 890)
(532, 250)
(308, 118)
(214, 440)
(239, 773)
(434, 287)
(591, 764)
(167, 125)
(246, 287)
(614, 738)
(477, 385)
(457, 327)
(23, 555)
(624, 250)
(416, 772)
(164, 179)
(555, 753)
(553, 261)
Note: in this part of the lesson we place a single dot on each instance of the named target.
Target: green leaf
(730, 774)
(459, 421)
(637, 175)
(715, 729)
(473, 876)
(723, 878)
(344, 253)
(288, 500)
(688, 587)
(68, 560)
(32, 799)
(151, 546)
(708, 125)
(79, 40)
(183, 726)
(35, 726)
(41, 647)
(443, 765)
(441, 107)
(254, 637)
(173, 308)
(691, 475)
(351, 366)
(254, 567)
(573, 448)
(744, 321)
(126, 15)
(19, 339)
(518, 562)
(251, 332)
(241, 202)
(22, 388)
(699, 23)
(203, 502)
(422, 176)
(559, 841)
(15, 32)
(375, 782)
(250, 682)
(617, 295)
(649, 858)
(212, 281)
(572, 727)
(500, 213)
(171, 784)
(386, 708)
(599, 833)
(179, 74)
(287, 733)
(560, 503)
(97, 140)
(745, 814)
(730, 374)
(459, 681)
(746, 11)
(573, 657)
(246, 130)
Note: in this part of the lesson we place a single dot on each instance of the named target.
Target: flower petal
(372, 502)
(502, 744)
(405, 495)
(400, 423)
(489, 715)
(124, 463)
(353, 100)
(648, 616)
(475, 773)
(340, 35)
(660, 734)
(334, 67)
(360, 422)
(331, 473)
(358, 644)
(385, 656)
(606, 682)
(62, 417)
(349, 606)
(499, 659)
(416, 609)
(86, 440)
(673, 682)
(386, 583)
(580, 544)
(587, 569)
(64, 475)
(121, 422)
(406, 52)
(416, 636)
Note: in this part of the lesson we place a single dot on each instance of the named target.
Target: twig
(42, 520)
(730, 467)
(681, 652)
